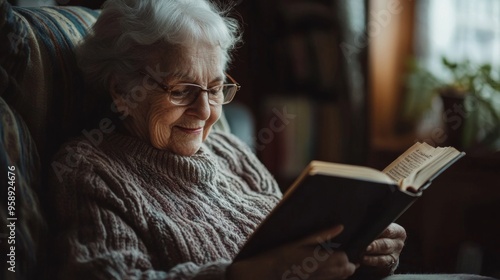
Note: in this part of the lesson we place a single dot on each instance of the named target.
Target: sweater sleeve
(99, 240)
(245, 163)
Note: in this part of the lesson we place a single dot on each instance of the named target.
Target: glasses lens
(229, 93)
(183, 94)
(187, 94)
(216, 95)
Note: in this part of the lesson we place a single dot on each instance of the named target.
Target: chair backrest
(43, 102)
(19, 205)
(43, 83)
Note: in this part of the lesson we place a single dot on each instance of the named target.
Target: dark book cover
(364, 208)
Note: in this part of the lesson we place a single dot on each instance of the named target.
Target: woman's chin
(186, 151)
(188, 148)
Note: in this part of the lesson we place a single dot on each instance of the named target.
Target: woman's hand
(313, 257)
(383, 253)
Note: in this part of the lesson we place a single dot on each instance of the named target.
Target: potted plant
(470, 96)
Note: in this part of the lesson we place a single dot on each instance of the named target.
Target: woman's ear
(113, 89)
(120, 104)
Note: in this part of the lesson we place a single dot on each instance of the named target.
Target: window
(459, 29)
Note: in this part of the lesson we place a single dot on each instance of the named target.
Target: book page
(409, 163)
(348, 171)
(432, 168)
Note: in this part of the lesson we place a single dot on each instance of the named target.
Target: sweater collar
(197, 168)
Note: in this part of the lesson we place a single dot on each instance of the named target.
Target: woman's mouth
(189, 130)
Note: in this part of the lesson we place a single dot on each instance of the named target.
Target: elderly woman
(162, 196)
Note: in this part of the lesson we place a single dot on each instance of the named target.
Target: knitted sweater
(129, 211)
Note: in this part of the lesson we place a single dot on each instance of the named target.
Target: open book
(364, 200)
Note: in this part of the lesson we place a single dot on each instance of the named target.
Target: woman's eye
(215, 90)
(179, 94)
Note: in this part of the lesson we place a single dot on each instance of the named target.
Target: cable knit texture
(129, 211)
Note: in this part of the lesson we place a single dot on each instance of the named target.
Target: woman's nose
(201, 106)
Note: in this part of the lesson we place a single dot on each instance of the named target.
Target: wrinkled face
(181, 129)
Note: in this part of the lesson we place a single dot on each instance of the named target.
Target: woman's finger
(384, 246)
(336, 267)
(394, 231)
(379, 261)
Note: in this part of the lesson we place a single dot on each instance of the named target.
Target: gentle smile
(191, 130)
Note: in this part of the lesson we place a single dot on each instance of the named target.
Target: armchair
(43, 102)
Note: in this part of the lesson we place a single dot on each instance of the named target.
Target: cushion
(18, 155)
(39, 76)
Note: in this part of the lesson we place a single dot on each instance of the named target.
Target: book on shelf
(364, 200)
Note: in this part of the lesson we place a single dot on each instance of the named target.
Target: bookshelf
(294, 60)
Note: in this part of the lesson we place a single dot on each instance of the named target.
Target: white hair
(130, 34)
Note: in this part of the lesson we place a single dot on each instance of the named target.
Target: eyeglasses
(184, 94)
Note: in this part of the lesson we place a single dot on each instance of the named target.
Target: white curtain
(459, 29)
